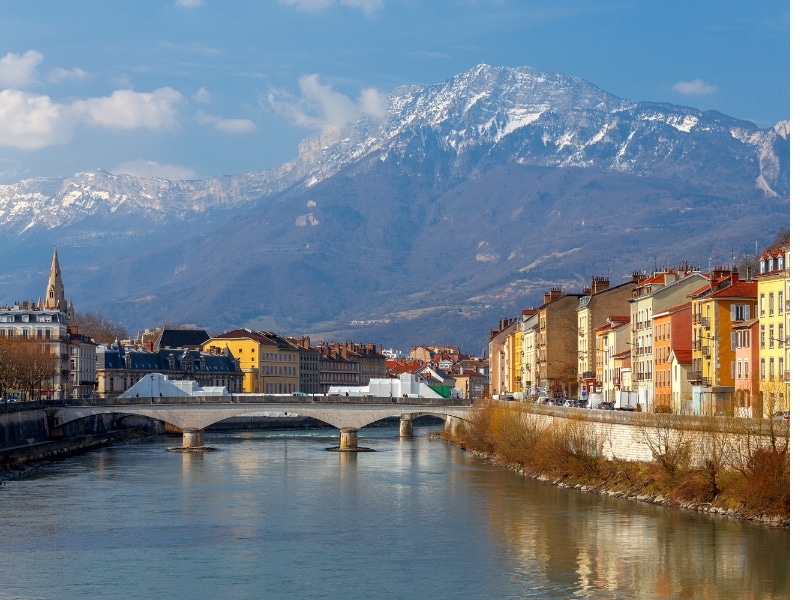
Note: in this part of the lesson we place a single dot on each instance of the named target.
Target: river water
(275, 515)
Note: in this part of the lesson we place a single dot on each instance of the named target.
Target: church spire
(54, 296)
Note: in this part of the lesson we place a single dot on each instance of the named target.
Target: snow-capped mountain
(473, 121)
(468, 197)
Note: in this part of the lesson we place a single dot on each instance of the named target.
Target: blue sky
(189, 89)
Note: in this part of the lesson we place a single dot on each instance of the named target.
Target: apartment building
(746, 398)
(598, 303)
(717, 306)
(557, 344)
(612, 357)
(501, 357)
(773, 317)
(529, 327)
(672, 334)
(655, 294)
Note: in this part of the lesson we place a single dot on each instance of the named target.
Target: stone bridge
(193, 414)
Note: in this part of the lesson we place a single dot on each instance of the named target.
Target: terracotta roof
(740, 289)
(684, 357)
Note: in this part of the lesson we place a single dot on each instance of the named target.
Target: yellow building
(717, 307)
(773, 331)
(270, 363)
(517, 384)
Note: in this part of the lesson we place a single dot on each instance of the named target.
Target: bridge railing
(268, 399)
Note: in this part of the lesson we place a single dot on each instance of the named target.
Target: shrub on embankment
(706, 463)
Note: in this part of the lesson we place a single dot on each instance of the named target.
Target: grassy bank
(710, 469)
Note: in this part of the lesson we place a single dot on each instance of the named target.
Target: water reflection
(276, 514)
(583, 544)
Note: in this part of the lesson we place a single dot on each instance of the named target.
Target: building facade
(773, 317)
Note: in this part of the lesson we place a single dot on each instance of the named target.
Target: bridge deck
(200, 413)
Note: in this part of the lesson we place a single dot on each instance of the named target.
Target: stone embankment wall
(26, 435)
(623, 435)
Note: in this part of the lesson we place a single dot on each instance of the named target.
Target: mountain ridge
(521, 154)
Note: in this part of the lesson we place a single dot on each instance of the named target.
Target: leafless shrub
(669, 444)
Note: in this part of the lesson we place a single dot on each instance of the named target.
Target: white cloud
(226, 125)
(202, 95)
(126, 109)
(30, 122)
(151, 168)
(368, 6)
(17, 71)
(189, 3)
(320, 106)
(696, 87)
(59, 74)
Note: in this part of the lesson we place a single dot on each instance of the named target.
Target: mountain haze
(467, 202)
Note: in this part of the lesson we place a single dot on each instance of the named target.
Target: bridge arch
(194, 418)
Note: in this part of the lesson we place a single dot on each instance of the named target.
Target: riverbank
(749, 482)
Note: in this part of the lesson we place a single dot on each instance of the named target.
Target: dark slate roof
(181, 338)
(114, 358)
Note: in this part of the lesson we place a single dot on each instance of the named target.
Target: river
(275, 515)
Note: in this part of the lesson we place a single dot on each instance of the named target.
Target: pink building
(746, 375)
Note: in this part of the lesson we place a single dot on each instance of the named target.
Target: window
(780, 302)
(761, 304)
(771, 368)
(763, 336)
(738, 369)
(740, 312)
(780, 367)
(771, 304)
(772, 336)
(746, 369)
(763, 369)
(780, 335)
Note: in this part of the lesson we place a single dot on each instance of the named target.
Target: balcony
(694, 377)
(705, 351)
(705, 322)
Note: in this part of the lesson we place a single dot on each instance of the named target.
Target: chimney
(599, 284)
(553, 294)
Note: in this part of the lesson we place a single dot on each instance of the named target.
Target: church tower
(54, 296)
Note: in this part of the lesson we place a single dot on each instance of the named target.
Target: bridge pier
(348, 438)
(406, 426)
(193, 438)
(449, 428)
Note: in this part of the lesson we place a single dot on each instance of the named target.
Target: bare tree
(670, 444)
(782, 237)
(98, 327)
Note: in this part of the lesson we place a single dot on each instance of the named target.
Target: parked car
(582, 403)
(543, 400)
(571, 403)
(606, 406)
(784, 414)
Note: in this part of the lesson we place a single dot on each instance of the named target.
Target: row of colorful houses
(678, 340)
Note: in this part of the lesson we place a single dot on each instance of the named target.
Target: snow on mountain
(474, 120)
